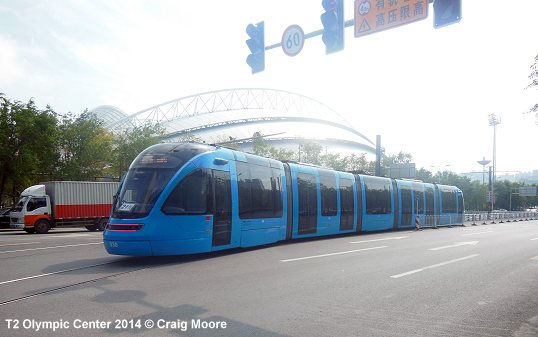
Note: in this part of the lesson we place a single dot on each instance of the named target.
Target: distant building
(528, 178)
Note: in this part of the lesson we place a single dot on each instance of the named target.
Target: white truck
(64, 203)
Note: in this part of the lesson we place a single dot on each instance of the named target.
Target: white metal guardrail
(494, 217)
(472, 218)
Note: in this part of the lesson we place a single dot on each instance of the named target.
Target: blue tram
(184, 198)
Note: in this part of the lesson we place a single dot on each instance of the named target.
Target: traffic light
(333, 25)
(446, 12)
(256, 44)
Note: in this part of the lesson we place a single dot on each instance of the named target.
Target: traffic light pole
(445, 12)
(348, 23)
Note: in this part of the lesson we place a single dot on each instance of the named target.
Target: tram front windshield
(149, 174)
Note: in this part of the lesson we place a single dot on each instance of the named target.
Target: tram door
(438, 205)
(407, 206)
(308, 203)
(222, 219)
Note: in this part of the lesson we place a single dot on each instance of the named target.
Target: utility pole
(378, 155)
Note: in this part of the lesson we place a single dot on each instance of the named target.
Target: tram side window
(327, 182)
(347, 207)
(449, 201)
(419, 198)
(276, 185)
(377, 195)
(407, 200)
(429, 201)
(191, 196)
(461, 207)
(243, 187)
(346, 196)
(308, 203)
(260, 191)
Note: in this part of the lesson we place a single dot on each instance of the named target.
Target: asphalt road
(462, 281)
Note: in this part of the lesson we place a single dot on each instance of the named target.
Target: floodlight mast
(494, 121)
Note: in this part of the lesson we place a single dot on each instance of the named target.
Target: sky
(426, 91)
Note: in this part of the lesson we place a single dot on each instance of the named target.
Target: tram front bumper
(130, 248)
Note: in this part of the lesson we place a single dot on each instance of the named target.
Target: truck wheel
(42, 226)
(102, 224)
(30, 230)
(91, 228)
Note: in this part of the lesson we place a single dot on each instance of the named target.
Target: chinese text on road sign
(372, 16)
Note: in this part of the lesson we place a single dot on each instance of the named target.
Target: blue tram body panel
(346, 185)
(450, 205)
(306, 201)
(316, 195)
(378, 211)
(186, 198)
(259, 226)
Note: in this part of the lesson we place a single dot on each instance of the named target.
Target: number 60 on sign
(293, 40)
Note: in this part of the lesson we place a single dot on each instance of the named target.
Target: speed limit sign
(293, 40)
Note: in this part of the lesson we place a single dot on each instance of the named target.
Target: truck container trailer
(64, 203)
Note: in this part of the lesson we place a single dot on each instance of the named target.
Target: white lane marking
(67, 235)
(534, 239)
(42, 248)
(331, 254)
(535, 258)
(457, 244)
(477, 233)
(433, 266)
(18, 244)
(56, 272)
(385, 239)
(46, 236)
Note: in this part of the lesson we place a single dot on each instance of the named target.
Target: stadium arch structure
(111, 115)
(285, 119)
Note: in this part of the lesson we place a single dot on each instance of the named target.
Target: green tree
(507, 196)
(400, 158)
(534, 82)
(359, 163)
(334, 161)
(282, 154)
(28, 153)
(261, 148)
(85, 147)
(130, 143)
(475, 196)
(310, 152)
(425, 175)
(187, 137)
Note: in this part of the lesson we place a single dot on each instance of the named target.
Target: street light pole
(493, 121)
